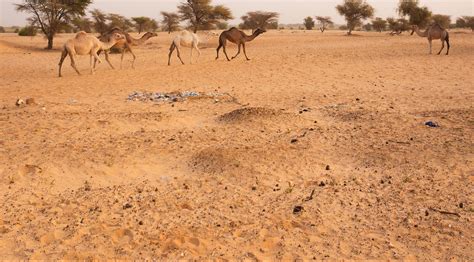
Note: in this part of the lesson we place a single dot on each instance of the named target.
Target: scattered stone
(159, 97)
(431, 124)
(328, 167)
(461, 205)
(298, 209)
(322, 184)
(19, 102)
(254, 188)
(30, 101)
(127, 206)
(294, 140)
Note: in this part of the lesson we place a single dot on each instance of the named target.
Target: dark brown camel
(237, 37)
(125, 44)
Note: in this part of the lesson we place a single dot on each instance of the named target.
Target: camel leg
(442, 46)
(447, 42)
(238, 52)
(245, 52)
(107, 59)
(431, 47)
(63, 56)
(179, 55)
(91, 61)
(191, 60)
(73, 63)
(134, 57)
(172, 48)
(198, 51)
(121, 59)
(218, 49)
(225, 52)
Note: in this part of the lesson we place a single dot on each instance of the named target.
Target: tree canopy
(417, 15)
(50, 15)
(354, 12)
(201, 15)
(170, 21)
(325, 21)
(379, 24)
(309, 23)
(442, 20)
(260, 19)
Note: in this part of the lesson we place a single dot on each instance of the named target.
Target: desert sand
(323, 152)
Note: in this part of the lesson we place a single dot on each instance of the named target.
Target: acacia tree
(379, 24)
(81, 24)
(325, 21)
(100, 21)
(142, 23)
(260, 19)
(120, 21)
(354, 12)
(442, 20)
(417, 15)
(309, 23)
(170, 22)
(465, 22)
(200, 14)
(397, 26)
(50, 15)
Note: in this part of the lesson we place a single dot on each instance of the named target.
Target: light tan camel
(84, 44)
(237, 37)
(125, 44)
(434, 32)
(184, 39)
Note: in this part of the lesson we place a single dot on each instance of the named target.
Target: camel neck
(108, 45)
(250, 37)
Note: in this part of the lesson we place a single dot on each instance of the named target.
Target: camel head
(149, 35)
(116, 37)
(259, 31)
(413, 29)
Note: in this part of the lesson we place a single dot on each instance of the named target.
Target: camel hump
(81, 34)
(436, 25)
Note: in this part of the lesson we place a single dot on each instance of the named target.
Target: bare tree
(49, 15)
(260, 19)
(200, 14)
(324, 21)
(170, 22)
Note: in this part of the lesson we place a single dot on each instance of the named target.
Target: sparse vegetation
(442, 20)
(355, 11)
(2, 29)
(325, 22)
(417, 15)
(170, 22)
(49, 16)
(27, 31)
(465, 22)
(309, 23)
(201, 15)
(397, 26)
(379, 24)
(260, 19)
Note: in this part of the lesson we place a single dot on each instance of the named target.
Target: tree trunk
(350, 31)
(50, 42)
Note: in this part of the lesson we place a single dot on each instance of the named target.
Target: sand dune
(322, 152)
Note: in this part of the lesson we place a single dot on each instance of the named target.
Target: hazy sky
(291, 11)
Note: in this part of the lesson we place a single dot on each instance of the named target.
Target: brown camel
(434, 32)
(84, 44)
(237, 37)
(126, 44)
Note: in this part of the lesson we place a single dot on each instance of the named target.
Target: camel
(434, 32)
(126, 44)
(237, 37)
(186, 39)
(84, 44)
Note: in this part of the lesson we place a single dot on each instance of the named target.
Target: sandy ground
(323, 153)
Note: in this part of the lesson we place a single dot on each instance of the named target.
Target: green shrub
(27, 31)
(2, 30)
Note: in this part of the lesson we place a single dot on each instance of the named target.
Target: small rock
(254, 188)
(19, 102)
(298, 209)
(30, 101)
(328, 167)
(127, 206)
(461, 205)
(322, 184)
(294, 140)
